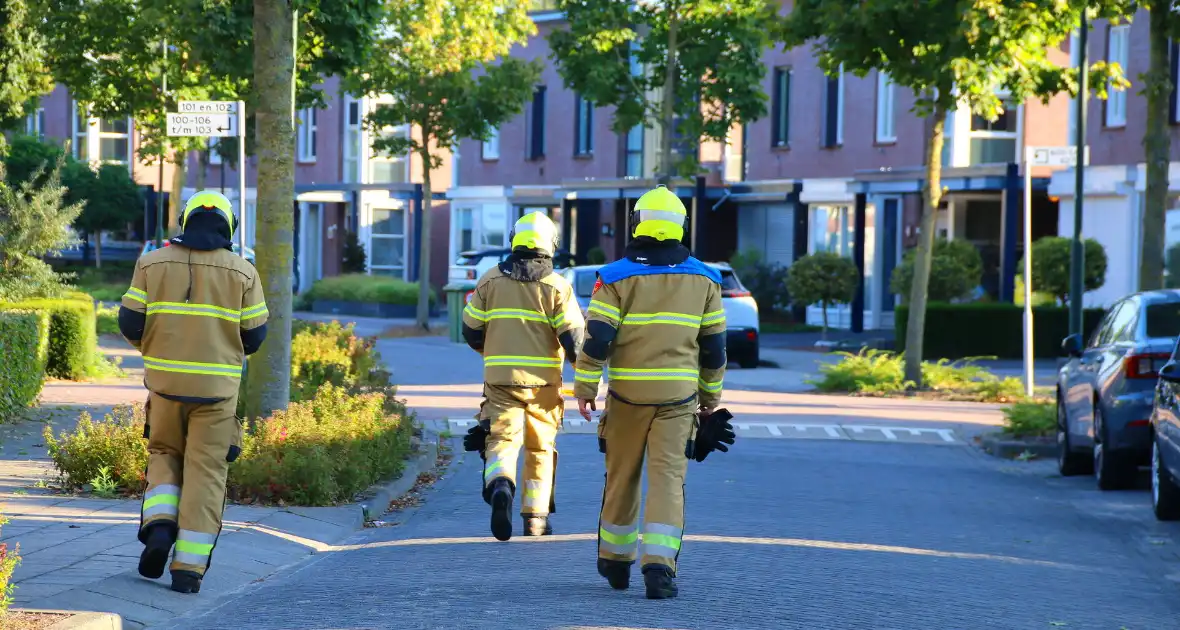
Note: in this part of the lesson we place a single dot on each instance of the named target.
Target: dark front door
(890, 222)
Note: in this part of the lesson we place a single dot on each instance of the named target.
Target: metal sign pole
(242, 173)
(1028, 314)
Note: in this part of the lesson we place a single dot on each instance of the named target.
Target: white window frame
(1016, 110)
(211, 147)
(352, 152)
(305, 135)
(1117, 52)
(490, 149)
(35, 123)
(375, 238)
(373, 157)
(93, 136)
(886, 118)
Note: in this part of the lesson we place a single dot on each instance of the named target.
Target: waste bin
(457, 293)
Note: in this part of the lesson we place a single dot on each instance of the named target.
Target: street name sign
(209, 125)
(207, 107)
(1056, 156)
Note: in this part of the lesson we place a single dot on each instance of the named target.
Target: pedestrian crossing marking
(777, 430)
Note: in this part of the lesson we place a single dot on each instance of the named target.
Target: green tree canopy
(692, 68)
(955, 271)
(22, 62)
(1050, 268)
(436, 62)
(34, 221)
(950, 54)
(823, 278)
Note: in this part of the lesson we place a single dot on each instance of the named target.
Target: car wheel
(749, 359)
(1069, 463)
(1165, 494)
(1112, 470)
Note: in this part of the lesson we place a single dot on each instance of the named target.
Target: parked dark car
(1106, 390)
(1165, 434)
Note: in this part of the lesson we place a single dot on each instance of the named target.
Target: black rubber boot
(660, 582)
(537, 525)
(616, 572)
(501, 501)
(186, 582)
(156, 546)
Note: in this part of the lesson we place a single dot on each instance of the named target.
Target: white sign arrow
(209, 125)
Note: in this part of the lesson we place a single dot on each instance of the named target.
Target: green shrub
(1050, 269)
(24, 344)
(107, 322)
(9, 561)
(955, 270)
(1030, 419)
(994, 329)
(73, 338)
(112, 447)
(767, 282)
(321, 452)
(823, 278)
(353, 260)
(366, 288)
(596, 256)
(967, 378)
(869, 371)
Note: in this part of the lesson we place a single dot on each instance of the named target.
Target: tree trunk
(98, 249)
(1157, 142)
(668, 105)
(202, 167)
(916, 327)
(427, 209)
(824, 334)
(269, 372)
(175, 200)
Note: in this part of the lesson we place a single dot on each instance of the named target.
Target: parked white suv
(741, 311)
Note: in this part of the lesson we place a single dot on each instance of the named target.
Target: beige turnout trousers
(187, 445)
(628, 431)
(528, 417)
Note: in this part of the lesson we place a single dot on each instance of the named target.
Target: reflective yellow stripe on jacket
(606, 310)
(521, 361)
(136, 294)
(201, 310)
(514, 313)
(192, 367)
(258, 310)
(643, 374)
(675, 319)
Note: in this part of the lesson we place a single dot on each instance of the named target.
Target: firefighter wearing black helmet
(194, 310)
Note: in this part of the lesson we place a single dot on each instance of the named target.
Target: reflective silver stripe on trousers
(661, 540)
(619, 539)
(163, 499)
(532, 497)
(194, 547)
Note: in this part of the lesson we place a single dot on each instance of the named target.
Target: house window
(388, 246)
(214, 153)
(780, 121)
(491, 146)
(305, 138)
(833, 133)
(536, 125)
(885, 116)
(583, 126)
(352, 142)
(35, 123)
(832, 230)
(464, 230)
(1116, 52)
(994, 142)
(101, 140)
(635, 151)
(386, 169)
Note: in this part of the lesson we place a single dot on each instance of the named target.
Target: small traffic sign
(211, 125)
(207, 107)
(1056, 156)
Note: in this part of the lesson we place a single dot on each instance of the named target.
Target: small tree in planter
(955, 271)
(1050, 268)
(822, 278)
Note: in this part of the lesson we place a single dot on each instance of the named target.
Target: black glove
(714, 434)
(476, 439)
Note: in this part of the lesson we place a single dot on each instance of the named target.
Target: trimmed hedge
(24, 344)
(359, 287)
(996, 329)
(73, 338)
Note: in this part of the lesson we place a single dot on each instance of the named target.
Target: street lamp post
(1077, 254)
(160, 187)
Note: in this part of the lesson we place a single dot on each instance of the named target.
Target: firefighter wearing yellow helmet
(524, 320)
(656, 314)
(194, 310)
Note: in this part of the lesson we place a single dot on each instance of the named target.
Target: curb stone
(78, 620)
(998, 445)
(373, 507)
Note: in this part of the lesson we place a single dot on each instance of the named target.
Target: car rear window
(467, 261)
(584, 283)
(1163, 320)
(729, 281)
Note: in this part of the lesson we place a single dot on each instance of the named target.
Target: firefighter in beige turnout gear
(194, 310)
(524, 320)
(657, 315)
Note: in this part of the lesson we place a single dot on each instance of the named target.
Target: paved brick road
(806, 534)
